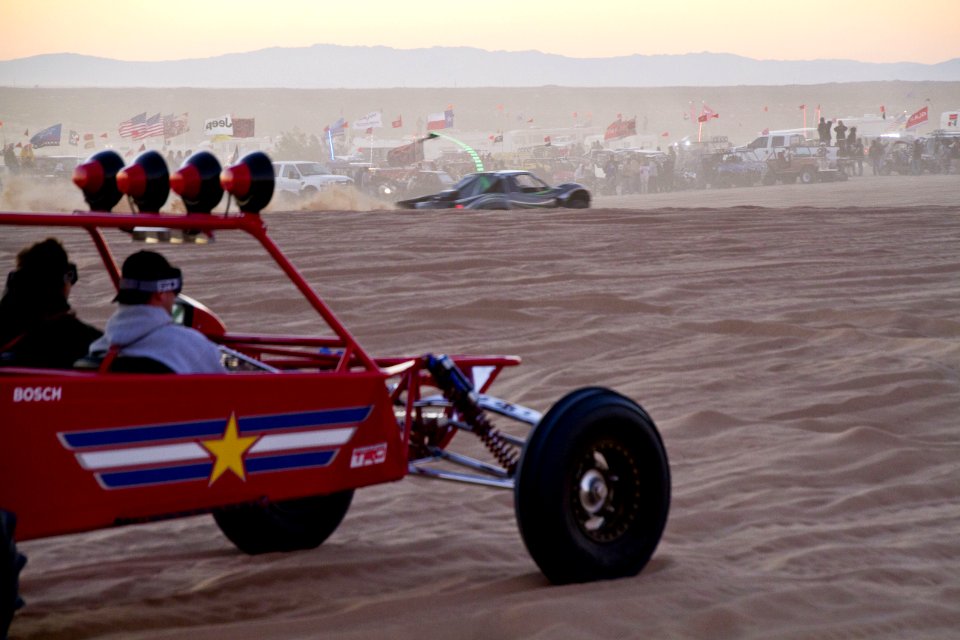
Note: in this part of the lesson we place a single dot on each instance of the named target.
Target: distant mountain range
(331, 66)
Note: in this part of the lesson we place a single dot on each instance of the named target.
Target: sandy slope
(802, 363)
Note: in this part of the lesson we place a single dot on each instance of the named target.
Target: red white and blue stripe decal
(145, 455)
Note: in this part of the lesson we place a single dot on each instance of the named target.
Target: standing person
(916, 167)
(37, 326)
(841, 131)
(142, 326)
(10, 159)
(644, 177)
(876, 156)
(857, 154)
(826, 132)
(27, 159)
(823, 131)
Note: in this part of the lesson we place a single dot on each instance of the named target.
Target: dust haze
(664, 116)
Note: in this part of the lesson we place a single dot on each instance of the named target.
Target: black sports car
(503, 190)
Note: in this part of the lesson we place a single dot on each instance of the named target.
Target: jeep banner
(222, 126)
(372, 120)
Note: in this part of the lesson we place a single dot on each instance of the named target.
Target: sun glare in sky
(925, 31)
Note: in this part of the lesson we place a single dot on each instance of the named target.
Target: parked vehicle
(737, 168)
(305, 179)
(510, 189)
(768, 144)
(804, 163)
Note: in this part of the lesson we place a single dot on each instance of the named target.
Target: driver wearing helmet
(142, 327)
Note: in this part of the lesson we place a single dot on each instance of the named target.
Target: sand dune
(799, 354)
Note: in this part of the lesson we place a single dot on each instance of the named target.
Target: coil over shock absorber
(458, 389)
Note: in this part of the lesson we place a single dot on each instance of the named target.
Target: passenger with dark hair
(37, 326)
(142, 329)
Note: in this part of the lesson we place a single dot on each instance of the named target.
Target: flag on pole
(134, 124)
(620, 128)
(398, 122)
(174, 126)
(883, 112)
(74, 138)
(918, 117)
(151, 128)
(49, 137)
(406, 154)
(244, 127)
(372, 120)
(338, 128)
(706, 113)
(443, 120)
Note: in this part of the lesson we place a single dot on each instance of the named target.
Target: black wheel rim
(606, 496)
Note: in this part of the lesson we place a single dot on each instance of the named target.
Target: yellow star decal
(229, 451)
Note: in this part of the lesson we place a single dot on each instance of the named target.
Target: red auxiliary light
(236, 180)
(97, 178)
(89, 176)
(132, 180)
(146, 181)
(198, 182)
(186, 182)
(250, 181)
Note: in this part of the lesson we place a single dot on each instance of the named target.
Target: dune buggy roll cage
(340, 354)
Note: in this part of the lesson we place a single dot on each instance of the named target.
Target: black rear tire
(578, 201)
(287, 525)
(11, 563)
(592, 489)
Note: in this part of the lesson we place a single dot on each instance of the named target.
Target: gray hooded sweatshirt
(146, 331)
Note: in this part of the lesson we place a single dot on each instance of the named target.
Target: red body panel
(46, 485)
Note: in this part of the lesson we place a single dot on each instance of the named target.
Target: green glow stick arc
(473, 154)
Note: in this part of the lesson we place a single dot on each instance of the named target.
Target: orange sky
(925, 31)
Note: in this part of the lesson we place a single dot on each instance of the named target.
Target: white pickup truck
(305, 178)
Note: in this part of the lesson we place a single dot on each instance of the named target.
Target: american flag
(131, 126)
(152, 127)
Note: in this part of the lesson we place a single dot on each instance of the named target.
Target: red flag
(765, 109)
(665, 134)
(621, 129)
(574, 116)
(530, 121)
(103, 135)
(803, 106)
(918, 117)
(398, 122)
(546, 140)
(369, 131)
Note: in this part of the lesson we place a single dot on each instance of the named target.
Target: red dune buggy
(275, 448)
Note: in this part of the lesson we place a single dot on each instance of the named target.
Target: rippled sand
(801, 359)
